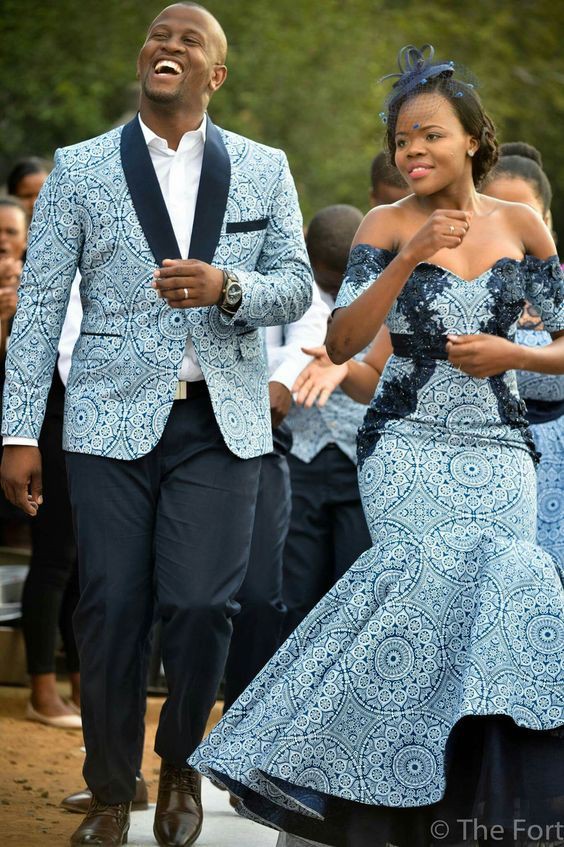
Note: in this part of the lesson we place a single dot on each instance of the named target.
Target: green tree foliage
(302, 76)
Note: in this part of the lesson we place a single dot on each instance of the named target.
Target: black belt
(189, 390)
(542, 411)
(415, 347)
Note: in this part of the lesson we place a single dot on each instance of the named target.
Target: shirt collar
(188, 140)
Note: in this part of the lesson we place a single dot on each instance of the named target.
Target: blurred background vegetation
(302, 76)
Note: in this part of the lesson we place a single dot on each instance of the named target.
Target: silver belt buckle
(181, 390)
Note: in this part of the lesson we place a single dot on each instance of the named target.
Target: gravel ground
(41, 765)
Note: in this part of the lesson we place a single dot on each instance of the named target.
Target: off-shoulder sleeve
(365, 264)
(544, 285)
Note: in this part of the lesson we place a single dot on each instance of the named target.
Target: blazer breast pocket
(97, 348)
(246, 226)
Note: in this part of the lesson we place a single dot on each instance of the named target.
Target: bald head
(215, 29)
(328, 240)
(330, 234)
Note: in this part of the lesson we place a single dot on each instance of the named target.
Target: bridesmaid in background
(520, 178)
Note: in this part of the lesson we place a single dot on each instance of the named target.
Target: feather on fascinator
(416, 69)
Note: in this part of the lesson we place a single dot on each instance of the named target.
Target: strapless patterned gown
(544, 397)
(423, 697)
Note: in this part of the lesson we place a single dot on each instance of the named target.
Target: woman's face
(28, 188)
(514, 189)
(432, 146)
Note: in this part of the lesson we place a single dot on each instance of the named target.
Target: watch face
(233, 293)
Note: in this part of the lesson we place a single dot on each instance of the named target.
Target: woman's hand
(483, 355)
(319, 379)
(444, 228)
(8, 302)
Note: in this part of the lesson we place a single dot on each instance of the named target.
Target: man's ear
(218, 77)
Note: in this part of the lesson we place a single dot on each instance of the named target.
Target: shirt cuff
(288, 372)
(13, 441)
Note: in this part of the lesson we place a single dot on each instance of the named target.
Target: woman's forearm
(361, 381)
(547, 360)
(353, 327)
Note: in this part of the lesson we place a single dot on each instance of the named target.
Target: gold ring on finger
(186, 294)
(451, 229)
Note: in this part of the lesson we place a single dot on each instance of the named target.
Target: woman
(25, 181)
(519, 177)
(50, 592)
(422, 700)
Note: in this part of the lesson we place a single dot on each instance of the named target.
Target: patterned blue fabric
(454, 610)
(127, 359)
(549, 441)
(337, 422)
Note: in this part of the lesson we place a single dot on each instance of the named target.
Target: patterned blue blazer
(102, 211)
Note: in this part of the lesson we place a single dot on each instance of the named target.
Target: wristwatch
(231, 293)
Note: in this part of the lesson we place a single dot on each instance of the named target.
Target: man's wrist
(231, 293)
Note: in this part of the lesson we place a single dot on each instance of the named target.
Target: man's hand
(21, 477)
(482, 355)
(188, 283)
(319, 379)
(280, 402)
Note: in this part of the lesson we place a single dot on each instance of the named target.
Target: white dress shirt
(178, 172)
(70, 330)
(286, 360)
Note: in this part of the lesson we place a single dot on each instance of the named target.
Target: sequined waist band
(414, 347)
(543, 411)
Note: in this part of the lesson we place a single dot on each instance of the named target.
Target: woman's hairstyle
(518, 160)
(23, 168)
(419, 74)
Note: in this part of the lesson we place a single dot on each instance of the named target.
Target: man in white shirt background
(258, 626)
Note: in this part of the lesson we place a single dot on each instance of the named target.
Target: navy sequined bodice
(422, 388)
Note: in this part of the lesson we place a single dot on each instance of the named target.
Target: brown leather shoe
(80, 802)
(103, 826)
(179, 814)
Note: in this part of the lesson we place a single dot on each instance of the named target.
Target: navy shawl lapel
(146, 193)
(212, 196)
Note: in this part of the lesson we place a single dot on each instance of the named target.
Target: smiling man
(188, 238)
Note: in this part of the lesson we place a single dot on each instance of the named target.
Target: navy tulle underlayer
(505, 785)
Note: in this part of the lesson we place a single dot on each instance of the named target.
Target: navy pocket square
(246, 226)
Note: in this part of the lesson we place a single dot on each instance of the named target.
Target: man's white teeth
(167, 66)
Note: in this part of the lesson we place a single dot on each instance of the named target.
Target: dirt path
(41, 765)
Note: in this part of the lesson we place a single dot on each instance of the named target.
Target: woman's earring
(471, 153)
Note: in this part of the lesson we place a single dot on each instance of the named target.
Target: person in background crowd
(13, 242)
(257, 628)
(358, 377)
(14, 526)
(26, 179)
(327, 528)
(519, 177)
(387, 184)
(51, 590)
